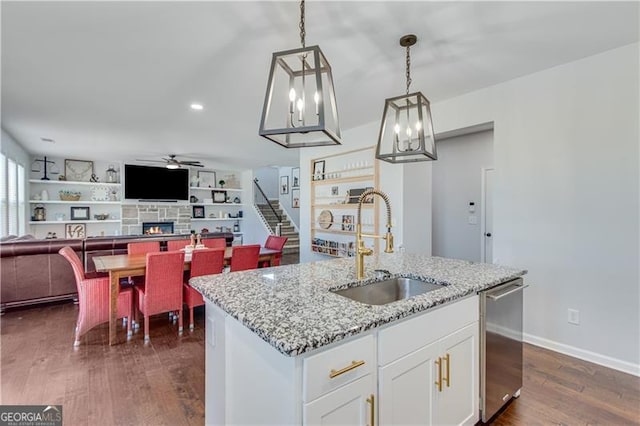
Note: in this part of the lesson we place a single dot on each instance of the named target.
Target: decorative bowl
(69, 195)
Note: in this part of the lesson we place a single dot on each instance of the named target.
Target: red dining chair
(162, 289)
(274, 242)
(175, 245)
(215, 243)
(203, 262)
(245, 257)
(94, 296)
(143, 247)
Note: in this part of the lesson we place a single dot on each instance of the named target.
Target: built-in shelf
(55, 222)
(218, 204)
(206, 219)
(334, 231)
(72, 202)
(73, 183)
(200, 188)
(342, 206)
(343, 180)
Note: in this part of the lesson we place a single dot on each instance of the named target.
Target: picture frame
(75, 230)
(295, 198)
(207, 179)
(295, 177)
(284, 185)
(219, 196)
(348, 222)
(197, 212)
(79, 213)
(354, 194)
(78, 170)
(334, 190)
(318, 170)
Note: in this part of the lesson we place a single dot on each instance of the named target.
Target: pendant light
(300, 104)
(406, 132)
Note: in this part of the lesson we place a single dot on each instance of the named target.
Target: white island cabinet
(419, 370)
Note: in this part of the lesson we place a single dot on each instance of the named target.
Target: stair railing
(276, 231)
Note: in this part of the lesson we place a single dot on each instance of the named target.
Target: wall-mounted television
(155, 183)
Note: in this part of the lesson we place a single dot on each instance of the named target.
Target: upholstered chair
(245, 257)
(203, 262)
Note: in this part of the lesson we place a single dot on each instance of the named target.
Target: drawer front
(346, 363)
(398, 340)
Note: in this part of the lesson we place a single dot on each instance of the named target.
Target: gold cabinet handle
(354, 364)
(371, 400)
(447, 379)
(439, 381)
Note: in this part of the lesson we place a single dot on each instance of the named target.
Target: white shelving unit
(58, 212)
(343, 174)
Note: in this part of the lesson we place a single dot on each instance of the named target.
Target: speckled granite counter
(291, 307)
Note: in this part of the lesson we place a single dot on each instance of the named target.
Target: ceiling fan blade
(190, 163)
(193, 165)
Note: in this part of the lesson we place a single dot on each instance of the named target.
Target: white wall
(566, 198)
(416, 208)
(268, 181)
(457, 181)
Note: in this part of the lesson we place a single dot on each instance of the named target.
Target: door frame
(483, 212)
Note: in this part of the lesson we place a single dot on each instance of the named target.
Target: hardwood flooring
(162, 383)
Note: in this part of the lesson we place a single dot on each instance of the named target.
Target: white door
(457, 403)
(348, 405)
(406, 388)
(487, 215)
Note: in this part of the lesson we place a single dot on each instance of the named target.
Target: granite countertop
(291, 308)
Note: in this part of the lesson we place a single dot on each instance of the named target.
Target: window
(12, 197)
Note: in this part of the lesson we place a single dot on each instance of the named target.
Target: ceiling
(114, 80)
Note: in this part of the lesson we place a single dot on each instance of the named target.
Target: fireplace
(156, 228)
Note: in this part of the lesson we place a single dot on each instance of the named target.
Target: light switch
(473, 220)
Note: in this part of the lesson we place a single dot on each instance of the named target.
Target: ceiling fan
(173, 163)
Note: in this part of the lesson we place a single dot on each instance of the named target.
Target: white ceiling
(114, 80)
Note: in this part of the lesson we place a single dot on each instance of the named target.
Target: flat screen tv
(155, 183)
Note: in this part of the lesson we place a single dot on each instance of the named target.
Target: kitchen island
(283, 349)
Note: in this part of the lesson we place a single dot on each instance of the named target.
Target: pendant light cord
(301, 25)
(408, 72)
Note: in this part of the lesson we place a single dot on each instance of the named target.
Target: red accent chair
(203, 262)
(215, 243)
(162, 289)
(175, 245)
(245, 257)
(143, 247)
(275, 243)
(94, 296)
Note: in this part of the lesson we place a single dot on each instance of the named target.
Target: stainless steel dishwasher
(500, 346)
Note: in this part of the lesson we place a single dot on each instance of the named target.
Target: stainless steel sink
(387, 291)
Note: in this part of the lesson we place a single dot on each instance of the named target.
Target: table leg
(113, 306)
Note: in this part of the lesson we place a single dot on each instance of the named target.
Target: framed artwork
(334, 190)
(80, 213)
(78, 170)
(295, 198)
(295, 177)
(206, 179)
(318, 170)
(347, 222)
(284, 185)
(219, 196)
(198, 212)
(75, 230)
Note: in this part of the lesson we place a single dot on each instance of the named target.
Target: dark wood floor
(163, 382)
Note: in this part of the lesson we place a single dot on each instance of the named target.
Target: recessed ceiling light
(197, 107)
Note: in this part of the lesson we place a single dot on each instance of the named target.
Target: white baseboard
(606, 361)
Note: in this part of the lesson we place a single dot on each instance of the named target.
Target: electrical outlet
(574, 316)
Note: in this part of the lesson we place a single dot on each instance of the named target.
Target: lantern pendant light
(406, 132)
(300, 104)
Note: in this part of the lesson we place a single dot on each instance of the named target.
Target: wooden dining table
(134, 265)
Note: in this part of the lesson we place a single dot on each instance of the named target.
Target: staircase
(287, 230)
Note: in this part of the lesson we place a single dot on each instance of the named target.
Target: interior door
(487, 215)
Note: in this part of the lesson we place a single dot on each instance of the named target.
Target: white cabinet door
(457, 404)
(406, 388)
(348, 405)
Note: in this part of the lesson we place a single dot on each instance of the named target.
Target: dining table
(134, 265)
